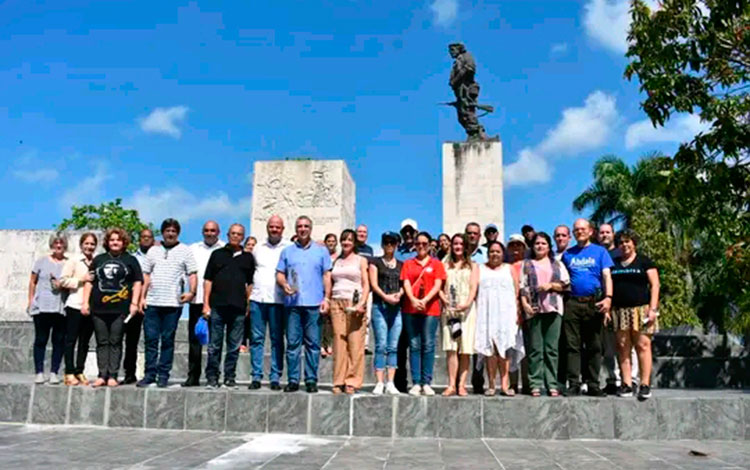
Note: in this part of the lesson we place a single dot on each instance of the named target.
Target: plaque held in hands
(355, 301)
(294, 281)
(454, 320)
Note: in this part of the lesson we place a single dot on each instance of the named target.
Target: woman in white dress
(459, 313)
(498, 338)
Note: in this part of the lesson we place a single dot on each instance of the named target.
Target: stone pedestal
(320, 189)
(472, 185)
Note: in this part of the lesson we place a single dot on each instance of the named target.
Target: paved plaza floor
(67, 447)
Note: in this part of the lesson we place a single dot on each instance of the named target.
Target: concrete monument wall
(18, 251)
(321, 189)
(472, 185)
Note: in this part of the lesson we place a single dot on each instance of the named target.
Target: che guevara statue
(466, 90)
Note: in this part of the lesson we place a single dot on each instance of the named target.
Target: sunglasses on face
(421, 243)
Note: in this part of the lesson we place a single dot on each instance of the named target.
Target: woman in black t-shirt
(385, 274)
(635, 303)
(111, 296)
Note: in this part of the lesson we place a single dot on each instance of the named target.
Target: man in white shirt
(267, 306)
(201, 252)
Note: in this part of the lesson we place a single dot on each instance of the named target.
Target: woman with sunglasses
(385, 272)
(423, 278)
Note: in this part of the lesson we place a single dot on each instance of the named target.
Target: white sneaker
(391, 389)
(378, 390)
(415, 390)
(53, 378)
(428, 391)
(39, 378)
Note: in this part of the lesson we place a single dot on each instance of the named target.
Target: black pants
(109, 331)
(477, 376)
(79, 330)
(132, 336)
(401, 379)
(196, 349)
(45, 322)
(583, 335)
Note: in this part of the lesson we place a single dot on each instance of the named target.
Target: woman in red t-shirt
(423, 278)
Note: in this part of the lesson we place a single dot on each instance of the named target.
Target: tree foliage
(638, 197)
(104, 216)
(693, 56)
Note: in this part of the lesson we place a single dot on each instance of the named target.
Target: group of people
(540, 317)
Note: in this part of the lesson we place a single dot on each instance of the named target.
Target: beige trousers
(348, 345)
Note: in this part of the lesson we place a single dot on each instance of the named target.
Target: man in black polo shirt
(226, 288)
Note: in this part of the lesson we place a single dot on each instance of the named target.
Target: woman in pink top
(351, 286)
(542, 280)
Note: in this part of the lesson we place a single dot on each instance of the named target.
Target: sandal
(449, 392)
(71, 380)
(554, 393)
(112, 382)
(490, 392)
(508, 393)
(536, 393)
(336, 390)
(100, 382)
(349, 390)
(462, 392)
(82, 379)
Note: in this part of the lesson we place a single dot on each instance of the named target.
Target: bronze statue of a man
(466, 90)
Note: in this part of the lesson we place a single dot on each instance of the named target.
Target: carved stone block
(320, 189)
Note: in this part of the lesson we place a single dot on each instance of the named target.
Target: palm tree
(617, 188)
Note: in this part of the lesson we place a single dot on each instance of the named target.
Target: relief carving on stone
(288, 195)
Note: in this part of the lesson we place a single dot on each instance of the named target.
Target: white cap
(517, 238)
(410, 222)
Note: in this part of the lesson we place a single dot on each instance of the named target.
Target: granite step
(668, 372)
(668, 415)
(668, 344)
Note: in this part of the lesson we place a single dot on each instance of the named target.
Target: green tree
(104, 216)
(694, 57)
(636, 197)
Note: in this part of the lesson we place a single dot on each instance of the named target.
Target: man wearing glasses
(587, 310)
(304, 273)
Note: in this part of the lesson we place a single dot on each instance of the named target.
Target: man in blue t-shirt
(587, 310)
(304, 273)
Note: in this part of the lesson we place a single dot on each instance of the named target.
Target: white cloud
(445, 11)
(165, 121)
(608, 21)
(530, 167)
(580, 130)
(90, 190)
(678, 129)
(178, 203)
(558, 48)
(40, 175)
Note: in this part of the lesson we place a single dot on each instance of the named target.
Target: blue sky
(167, 105)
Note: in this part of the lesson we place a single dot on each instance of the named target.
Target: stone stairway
(669, 414)
(681, 360)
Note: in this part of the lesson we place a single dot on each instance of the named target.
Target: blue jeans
(159, 323)
(234, 321)
(262, 314)
(302, 325)
(421, 330)
(386, 325)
